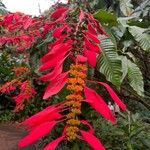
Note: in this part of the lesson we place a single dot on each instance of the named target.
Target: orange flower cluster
(20, 70)
(76, 83)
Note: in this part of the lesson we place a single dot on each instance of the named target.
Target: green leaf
(108, 63)
(135, 78)
(145, 142)
(141, 36)
(143, 9)
(126, 7)
(124, 67)
(106, 17)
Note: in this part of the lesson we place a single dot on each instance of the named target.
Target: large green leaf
(126, 7)
(143, 9)
(108, 63)
(141, 36)
(106, 17)
(135, 78)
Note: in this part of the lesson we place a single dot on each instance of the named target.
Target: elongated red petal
(55, 56)
(98, 103)
(47, 27)
(37, 133)
(56, 85)
(52, 145)
(26, 38)
(91, 56)
(86, 123)
(114, 95)
(92, 140)
(92, 37)
(57, 51)
(48, 114)
(100, 28)
(56, 14)
(81, 58)
(58, 31)
(54, 51)
(27, 23)
(52, 75)
(91, 46)
(91, 29)
(58, 41)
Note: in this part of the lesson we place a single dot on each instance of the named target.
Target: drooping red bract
(52, 145)
(37, 133)
(56, 85)
(97, 102)
(92, 140)
(86, 123)
(114, 95)
(50, 113)
(91, 57)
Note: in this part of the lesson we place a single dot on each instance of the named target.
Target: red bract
(86, 123)
(92, 37)
(114, 95)
(52, 75)
(36, 133)
(56, 14)
(57, 53)
(52, 145)
(22, 30)
(91, 29)
(8, 86)
(26, 92)
(58, 31)
(58, 41)
(81, 59)
(56, 85)
(97, 102)
(92, 140)
(91, 46)
(91, 57)
(50, 113)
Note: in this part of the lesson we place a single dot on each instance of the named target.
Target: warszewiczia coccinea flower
(24, 86)
(76, 39)
(21, 31)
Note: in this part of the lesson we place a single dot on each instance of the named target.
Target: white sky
(28, 6)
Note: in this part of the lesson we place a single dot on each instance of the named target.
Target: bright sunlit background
(28, 6)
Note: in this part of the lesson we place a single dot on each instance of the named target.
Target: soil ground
(10, 135)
